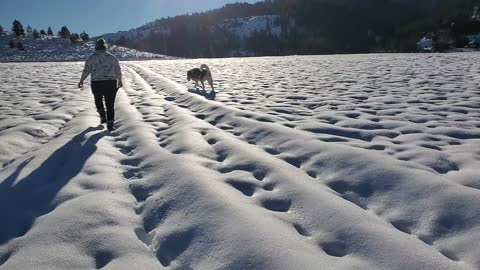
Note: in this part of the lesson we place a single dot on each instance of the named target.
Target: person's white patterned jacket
(102, 66)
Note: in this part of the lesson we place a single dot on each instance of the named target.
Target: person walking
(106, 79)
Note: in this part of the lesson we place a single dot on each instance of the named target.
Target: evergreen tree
(122, 41)
(20, 46)
(1, 30)
(17, 28)
(49, 31)
(74, 37)
(84, 36)
(29, 31)
(11, 44)
(64, 32)
(35, 33)
(43, 33)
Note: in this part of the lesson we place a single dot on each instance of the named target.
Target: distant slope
(304, 27)
(52, 48)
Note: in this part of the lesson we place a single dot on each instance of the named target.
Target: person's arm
(86, 71)
(118, 73)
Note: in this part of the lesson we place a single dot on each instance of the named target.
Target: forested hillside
(283, 27)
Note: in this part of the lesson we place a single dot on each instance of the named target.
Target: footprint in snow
(248, 189)
(277, 205)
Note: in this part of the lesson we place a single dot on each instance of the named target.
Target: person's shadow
(208, 95)
(31, 197)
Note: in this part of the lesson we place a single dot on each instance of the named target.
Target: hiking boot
(110, 126)
(103, 116)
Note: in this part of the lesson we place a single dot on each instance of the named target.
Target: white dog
(201, 74)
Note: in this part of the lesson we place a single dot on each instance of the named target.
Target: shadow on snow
(32, 196)
(208, 95)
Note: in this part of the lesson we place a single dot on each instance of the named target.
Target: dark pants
(105, 90)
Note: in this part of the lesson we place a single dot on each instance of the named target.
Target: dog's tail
(203, 66)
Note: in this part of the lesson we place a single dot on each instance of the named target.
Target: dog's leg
(210, 81)
(196, 85)
(203, 86)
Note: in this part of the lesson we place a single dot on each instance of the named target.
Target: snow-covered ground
(54, 48)
(322, 162)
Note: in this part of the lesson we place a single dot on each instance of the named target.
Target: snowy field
(325, 162)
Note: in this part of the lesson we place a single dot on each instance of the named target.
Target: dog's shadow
(208, 95)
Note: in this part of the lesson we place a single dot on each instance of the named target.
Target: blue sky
(98, 16)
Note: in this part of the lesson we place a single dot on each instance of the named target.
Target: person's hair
(100, 45)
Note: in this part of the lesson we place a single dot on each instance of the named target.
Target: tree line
(312, 27)
(448, 23)
(18, 31)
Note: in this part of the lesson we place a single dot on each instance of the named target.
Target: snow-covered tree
(1, 30)
(49, 31)
(64, 32)
(84, 36)
(35, 33)
(17, 28)
(43, 33)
